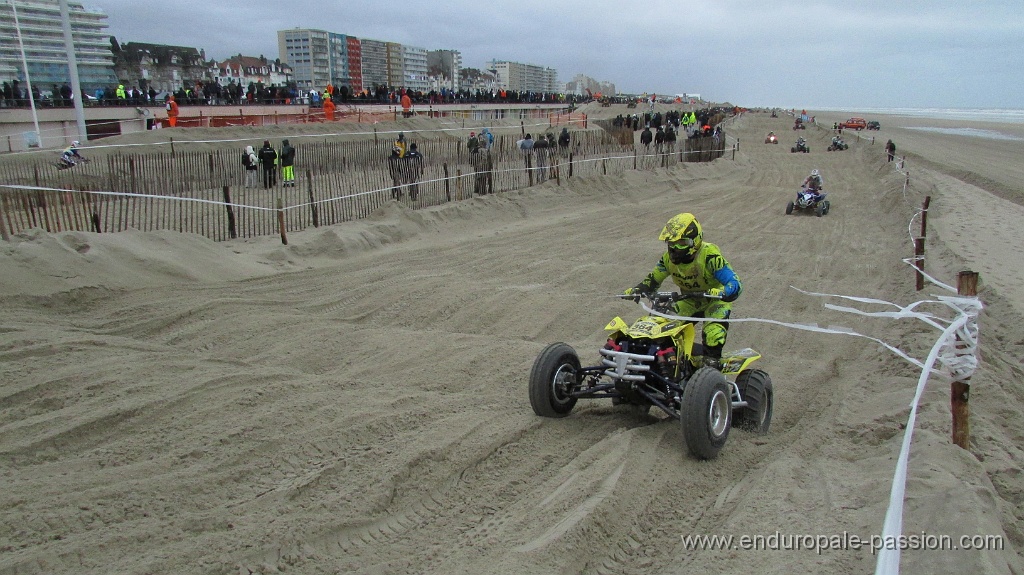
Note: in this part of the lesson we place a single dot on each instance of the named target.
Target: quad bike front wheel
(789, 208)
(706, 413)
(552, 379)
(756, 389)
(821, 209)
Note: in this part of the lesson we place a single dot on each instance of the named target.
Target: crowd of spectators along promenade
(14, 95)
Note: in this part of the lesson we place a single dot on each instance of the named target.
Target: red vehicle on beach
(854, 124)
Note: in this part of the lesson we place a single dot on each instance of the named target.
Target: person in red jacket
(172, 111)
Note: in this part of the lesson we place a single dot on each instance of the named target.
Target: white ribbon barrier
(955, 350)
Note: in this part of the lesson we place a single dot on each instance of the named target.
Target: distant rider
(70, 153)
(696, 266)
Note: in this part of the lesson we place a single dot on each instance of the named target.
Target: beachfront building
(414, 64)
(42, 34)
(244, 70)
(319, 58)
(396, 64)
(444, 68)
(583, 85)
(375, 64)
(161, 67)
(525, 77)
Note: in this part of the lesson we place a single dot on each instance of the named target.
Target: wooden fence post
(489, 181)
(172, 147)
(570, 164)
(447, 188)
(919, 262)
(924, 216)
(232, 232)
(280, 220)
(960, 391)
(3, 224)
(312, 202)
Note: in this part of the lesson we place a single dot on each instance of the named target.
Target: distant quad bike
(631, 104)
(798, 124)
(771, 139)
(837, 145)
(655, 363)
(801, 146)
(809, 201)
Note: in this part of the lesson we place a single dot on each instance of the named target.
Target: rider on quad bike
(69, 154)
(814, 183)
(696, 265)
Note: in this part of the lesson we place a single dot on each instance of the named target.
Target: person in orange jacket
(406, 105)
(329, 109)
(172, 111)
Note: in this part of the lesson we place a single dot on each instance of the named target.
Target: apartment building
(42, 35)
(445, 67)
(525, 77)
(319, 58)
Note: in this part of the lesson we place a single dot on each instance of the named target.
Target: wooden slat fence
(204, 192)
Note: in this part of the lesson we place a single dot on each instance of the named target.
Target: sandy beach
(356, 401)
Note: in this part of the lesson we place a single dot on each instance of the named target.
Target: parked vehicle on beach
(854, 124)
(873, 125)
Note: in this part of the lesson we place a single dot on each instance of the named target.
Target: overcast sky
(796, 54)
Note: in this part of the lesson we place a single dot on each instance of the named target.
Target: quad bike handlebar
(664, 299)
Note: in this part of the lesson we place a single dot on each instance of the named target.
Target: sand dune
(356, 402)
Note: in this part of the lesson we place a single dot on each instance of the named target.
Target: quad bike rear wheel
(552, 378)
(756, 389)
(706, 413)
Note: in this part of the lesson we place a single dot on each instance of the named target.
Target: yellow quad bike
(655, 362)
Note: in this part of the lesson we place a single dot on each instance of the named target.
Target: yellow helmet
(684, 237)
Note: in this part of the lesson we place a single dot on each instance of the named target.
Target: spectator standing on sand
(251, 163)
(645, 137)
(540, 150)
(563, 138)
(479, 158)
(287, 164)
(890, 150)
(406, 105)
(172, 111)
(526, 144)
(329, 109)
(268, 159)
(412, 169)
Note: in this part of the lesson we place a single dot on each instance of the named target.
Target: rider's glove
(637, 291)
(715, 293)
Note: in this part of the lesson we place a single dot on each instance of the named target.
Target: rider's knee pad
(714, 334)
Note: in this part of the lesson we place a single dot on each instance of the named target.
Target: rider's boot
(713, 357)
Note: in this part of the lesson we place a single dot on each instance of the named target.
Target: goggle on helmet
(683, 236)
